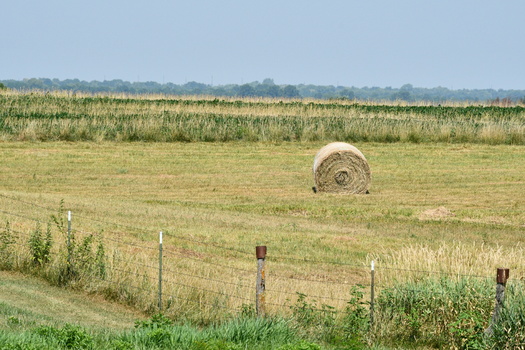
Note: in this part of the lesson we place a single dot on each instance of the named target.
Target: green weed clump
(40, 246)
(239, 333)
(66, 337)
(348, 327)
(7, 239)
(435, 312)
(66, 264)
(160, 332)
(509, 330)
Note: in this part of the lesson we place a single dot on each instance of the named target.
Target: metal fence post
(160, 271)
(69, 248)
(260, 252)
(372, 292)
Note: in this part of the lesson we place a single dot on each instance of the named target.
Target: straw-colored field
(220, 177)
(217, 201)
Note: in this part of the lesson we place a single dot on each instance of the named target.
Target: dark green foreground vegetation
(160, 333)
(456, 320)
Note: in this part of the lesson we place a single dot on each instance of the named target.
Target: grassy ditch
(431, 313)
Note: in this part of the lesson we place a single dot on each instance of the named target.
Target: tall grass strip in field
(38, 116)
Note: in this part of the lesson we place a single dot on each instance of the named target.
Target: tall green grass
(449, 313)
(436, 312)
(39, 116)
(509, 331)
(431, 313)
(161, 333)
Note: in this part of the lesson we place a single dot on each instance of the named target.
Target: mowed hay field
(240, 195)
(452, 207)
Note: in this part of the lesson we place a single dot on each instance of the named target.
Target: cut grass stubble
(238, 196)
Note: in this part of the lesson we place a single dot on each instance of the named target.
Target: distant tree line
(267, 88)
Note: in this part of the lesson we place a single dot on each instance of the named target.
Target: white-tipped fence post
(69, 248)
(260, 287)
(160, 271)
(372, 292)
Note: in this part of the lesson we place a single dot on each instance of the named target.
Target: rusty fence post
(502, 276)
(260, 252)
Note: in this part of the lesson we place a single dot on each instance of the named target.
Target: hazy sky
(427, 43)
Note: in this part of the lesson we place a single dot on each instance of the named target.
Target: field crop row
(67, 117)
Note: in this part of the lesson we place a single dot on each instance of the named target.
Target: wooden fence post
(260, 252)
(501, 279)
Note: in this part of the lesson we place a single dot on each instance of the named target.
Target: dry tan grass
(458, 259)
(436, 214)
(243, 195)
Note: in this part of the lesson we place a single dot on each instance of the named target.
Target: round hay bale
(341, 168)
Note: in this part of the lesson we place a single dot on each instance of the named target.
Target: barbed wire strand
(309, 296)
(153, 291)
(129, 226)
(174, 283)
(308, 279)
(119, 284)
(169, 295)
(173, 253)
(134, 274)
(200, 302)
(203, 289)
(22, 216)
(311, 261)
(379, 267)
(179, 273)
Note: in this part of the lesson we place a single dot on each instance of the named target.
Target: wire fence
(153, 274)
